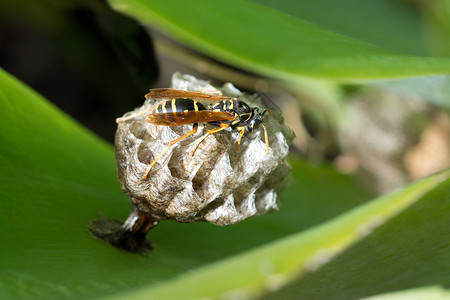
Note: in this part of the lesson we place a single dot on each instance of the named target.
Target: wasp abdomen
(178, 105)
(177, 111)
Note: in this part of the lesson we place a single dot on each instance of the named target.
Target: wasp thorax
(203, 176)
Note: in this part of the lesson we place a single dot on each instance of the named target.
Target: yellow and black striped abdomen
(178, 105)
(184, 111)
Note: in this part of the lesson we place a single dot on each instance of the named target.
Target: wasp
(178, 107)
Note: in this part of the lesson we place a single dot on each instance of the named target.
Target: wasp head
(256, 118)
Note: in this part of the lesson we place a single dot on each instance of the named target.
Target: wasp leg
(123, 119)
(194, 130)
(140, 113)
(241, 133)
(266, 137)
(222, 127)
(211, 91)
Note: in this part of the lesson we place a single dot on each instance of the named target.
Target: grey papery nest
(218, 184)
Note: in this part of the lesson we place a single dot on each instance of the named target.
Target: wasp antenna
(264, 112)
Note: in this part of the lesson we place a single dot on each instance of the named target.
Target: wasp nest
(218, 184)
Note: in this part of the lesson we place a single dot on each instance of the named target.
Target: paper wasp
(180, 107)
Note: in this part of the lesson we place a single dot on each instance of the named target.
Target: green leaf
(268, 41)
(428, 292)
(410, 251)
(393, 25)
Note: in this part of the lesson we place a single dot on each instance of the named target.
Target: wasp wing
(168, 94)
(189, 117)
(173, 94)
